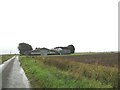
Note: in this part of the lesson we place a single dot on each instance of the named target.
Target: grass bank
(44, 73)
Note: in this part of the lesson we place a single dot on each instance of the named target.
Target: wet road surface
(13, 76)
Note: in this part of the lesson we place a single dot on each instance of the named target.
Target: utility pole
(10, 51)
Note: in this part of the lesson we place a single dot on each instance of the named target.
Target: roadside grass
(47, 75)
(6, 57)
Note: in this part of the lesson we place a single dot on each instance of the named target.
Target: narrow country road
(13, 76)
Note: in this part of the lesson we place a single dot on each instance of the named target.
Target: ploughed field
(105, 59)
(99, 70)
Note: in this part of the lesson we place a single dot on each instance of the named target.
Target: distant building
(38, 51)
(53, 52)
(62, 50)
(42, 52)
(45, 51)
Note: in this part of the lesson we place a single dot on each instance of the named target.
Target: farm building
(62, 50)
(45, 51)
(42, 52)
(53, 52)
(38, 51)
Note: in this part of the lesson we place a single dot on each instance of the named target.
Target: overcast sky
(90, 25)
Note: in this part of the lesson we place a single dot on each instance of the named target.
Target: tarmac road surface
(13, 76)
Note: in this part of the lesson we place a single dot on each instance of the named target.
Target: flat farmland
(99, 70)
(105, 59)
(6, 57)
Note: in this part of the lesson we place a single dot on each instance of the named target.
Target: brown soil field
(105, 59)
